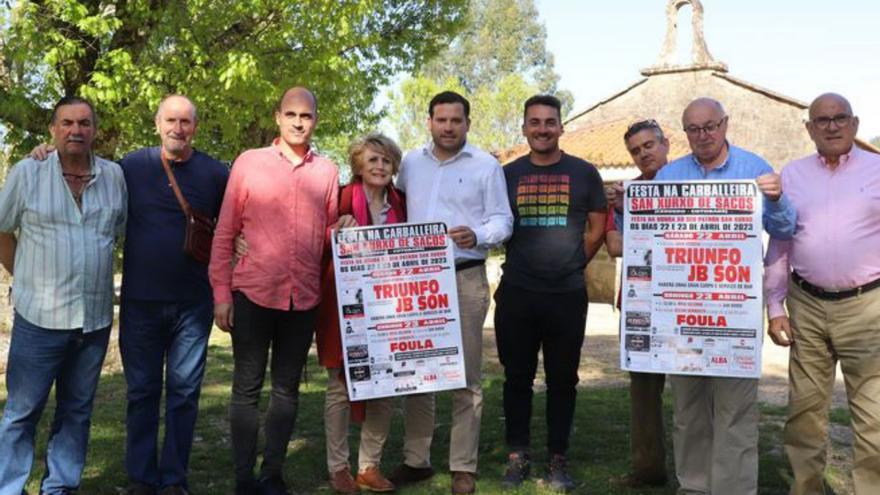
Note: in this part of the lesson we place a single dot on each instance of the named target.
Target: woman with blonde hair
(370, 199)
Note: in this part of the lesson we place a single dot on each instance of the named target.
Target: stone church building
(761, 120)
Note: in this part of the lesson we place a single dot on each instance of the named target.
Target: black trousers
(527, 322)
(255, 330)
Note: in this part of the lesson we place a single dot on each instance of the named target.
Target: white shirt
(466, 190)
(64, 258)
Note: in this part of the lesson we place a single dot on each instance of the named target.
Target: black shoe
(273, 486)
(557, 478)
(405, 475)
(518, 466)
(135, 488)
(249, 487)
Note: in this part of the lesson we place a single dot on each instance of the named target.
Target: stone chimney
(701, 59)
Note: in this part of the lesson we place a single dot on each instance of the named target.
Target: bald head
(297, 116)
(703, 106)
(832, 126)
(298, 93)
(705, 123)
(177, 102)
(829, 99)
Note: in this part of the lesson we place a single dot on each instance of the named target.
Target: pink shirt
(284, 211)
(836, 245)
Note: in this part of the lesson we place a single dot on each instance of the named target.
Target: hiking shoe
(463, 483)
(371, 479)
(518, 466)
(405, 475)
(557, 478)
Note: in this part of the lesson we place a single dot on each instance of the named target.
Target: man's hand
(780, 331)
(345, 222)
(770, 185)
(240, 246)
(41, 152)
(614, 196)
(223, 316)
(463, 237)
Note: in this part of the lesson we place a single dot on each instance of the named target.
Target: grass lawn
(599, 451)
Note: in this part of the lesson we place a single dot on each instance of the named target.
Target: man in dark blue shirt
(167, 310)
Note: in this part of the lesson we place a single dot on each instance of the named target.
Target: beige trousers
(374, 430)
(825, 332)
(715, 434)
(467, 403)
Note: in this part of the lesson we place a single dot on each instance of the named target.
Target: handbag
(199, 226)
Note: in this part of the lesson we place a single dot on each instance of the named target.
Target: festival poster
(398, 310)
(692, 291)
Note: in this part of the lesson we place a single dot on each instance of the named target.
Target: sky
(797, 48)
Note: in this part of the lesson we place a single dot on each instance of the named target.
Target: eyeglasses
(709, 128)
(637, 127)
(839, 120)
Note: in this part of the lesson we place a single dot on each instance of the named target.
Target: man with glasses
(827, 274)
(649, 150)
(715, 433)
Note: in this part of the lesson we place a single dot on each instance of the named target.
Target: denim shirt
(779, 216)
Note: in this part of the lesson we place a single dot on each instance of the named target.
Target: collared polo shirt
(64, 257)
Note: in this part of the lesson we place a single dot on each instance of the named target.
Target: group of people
(270, 284)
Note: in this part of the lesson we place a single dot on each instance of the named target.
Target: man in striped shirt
(59, 221)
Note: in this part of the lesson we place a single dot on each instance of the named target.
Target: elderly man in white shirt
(58, 226)
(454, 182)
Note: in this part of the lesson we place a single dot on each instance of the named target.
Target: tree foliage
(232, 57)
(498, 60)
(876, 141)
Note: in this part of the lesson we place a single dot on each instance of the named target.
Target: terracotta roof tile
(601, 145)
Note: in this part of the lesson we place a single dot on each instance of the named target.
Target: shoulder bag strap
(184, 205)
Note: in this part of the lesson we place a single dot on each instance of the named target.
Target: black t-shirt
(550, 206)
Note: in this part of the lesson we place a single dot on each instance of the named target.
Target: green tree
(876, 141)
(498, 60)
(232, 57)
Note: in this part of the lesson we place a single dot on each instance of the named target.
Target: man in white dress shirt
(454, 182)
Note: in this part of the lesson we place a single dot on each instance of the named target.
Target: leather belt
(832, 295)
(464, 265)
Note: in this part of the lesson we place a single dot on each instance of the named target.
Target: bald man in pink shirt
(283, 199)
(828, 275)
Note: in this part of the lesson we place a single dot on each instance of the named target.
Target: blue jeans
(37, 358)
(156, 337)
